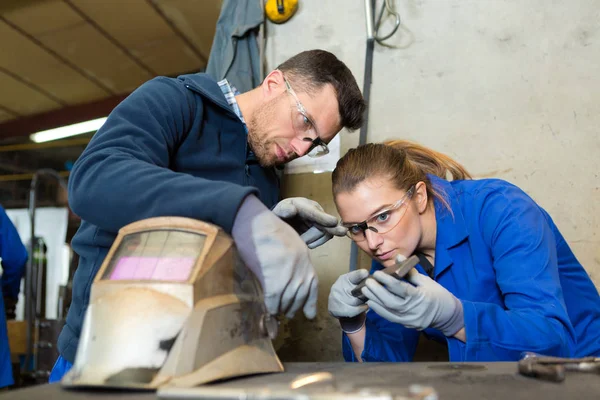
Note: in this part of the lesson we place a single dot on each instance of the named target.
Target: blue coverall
(521, 287)
(14, 258)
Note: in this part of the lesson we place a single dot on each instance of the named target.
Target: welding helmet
(173, 305)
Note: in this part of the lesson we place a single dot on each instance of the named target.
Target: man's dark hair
(314, 68)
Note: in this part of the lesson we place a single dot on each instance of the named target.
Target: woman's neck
(428, 239)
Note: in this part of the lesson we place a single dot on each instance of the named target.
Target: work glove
(309, 219)
(427, 304)
(278, 257)
(349, 310)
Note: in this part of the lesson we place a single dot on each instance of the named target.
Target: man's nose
(301, 146)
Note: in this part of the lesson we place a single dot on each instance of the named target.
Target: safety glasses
(381, 222)
(305, 127)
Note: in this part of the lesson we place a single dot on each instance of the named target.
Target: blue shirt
(521, 286)
(230, 92)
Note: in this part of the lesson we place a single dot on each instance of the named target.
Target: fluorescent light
(69, 130)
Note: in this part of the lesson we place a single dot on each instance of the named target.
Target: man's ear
(421, 197)
(273, 84)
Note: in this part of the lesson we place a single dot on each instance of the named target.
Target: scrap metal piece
(554, 369)
(398, 271)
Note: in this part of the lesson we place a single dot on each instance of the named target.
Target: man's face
(278, 130)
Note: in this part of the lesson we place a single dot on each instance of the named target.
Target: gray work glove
(278, 257)
(427, 304)
(349, 310)
(309, 219)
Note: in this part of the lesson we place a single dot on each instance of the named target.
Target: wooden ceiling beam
(54, 119)
(10, 5)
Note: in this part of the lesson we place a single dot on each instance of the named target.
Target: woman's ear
(421, 197)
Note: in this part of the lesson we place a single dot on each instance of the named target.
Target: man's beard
(260, 147)
(258, 139)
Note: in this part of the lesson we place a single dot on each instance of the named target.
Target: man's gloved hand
(278, 257)
(350, 311)
(309, 219)
(425, 305)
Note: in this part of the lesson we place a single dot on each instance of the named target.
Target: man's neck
(247, 102)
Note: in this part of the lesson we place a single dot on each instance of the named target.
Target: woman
(496, 277)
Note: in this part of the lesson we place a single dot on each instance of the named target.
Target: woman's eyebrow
(378, 210)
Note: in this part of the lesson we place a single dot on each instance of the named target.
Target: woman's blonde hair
(404, 163)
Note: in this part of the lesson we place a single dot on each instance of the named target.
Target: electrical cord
(387, 6)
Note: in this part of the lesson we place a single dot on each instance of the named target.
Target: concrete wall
(511, 89)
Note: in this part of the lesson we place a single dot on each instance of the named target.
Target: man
(13, 257)
(191, 147)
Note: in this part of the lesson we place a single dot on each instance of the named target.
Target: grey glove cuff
(353, 324)
(456, 322)
(242, 232)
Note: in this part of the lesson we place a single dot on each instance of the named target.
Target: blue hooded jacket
(14, 258)
(521, 287)
(174, 147)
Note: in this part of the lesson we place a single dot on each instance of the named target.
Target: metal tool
(554, 368)
(398, 271)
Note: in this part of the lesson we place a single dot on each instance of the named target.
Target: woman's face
(399, 229)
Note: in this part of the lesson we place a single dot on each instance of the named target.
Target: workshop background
(509, 88)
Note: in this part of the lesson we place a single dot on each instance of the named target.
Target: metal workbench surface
(450, 381)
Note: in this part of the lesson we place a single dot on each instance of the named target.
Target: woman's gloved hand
(278, 257)
(427, 304)
(309, 219)
(349, 310)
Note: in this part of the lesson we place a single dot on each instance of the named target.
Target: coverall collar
(451, 228)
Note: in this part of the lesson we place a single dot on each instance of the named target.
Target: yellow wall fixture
(279, 11)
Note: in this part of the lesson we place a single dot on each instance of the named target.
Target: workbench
(450, 381)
